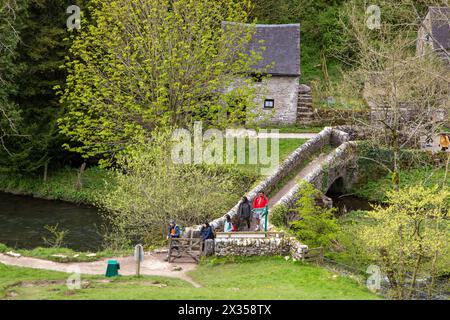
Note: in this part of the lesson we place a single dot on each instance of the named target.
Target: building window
(269, 104)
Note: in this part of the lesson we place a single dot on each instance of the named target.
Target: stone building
(277, 102)
(434, 37)
(434, 34)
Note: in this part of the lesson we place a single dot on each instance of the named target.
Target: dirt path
(153, 265)
(302, 174)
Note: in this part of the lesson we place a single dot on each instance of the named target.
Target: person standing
(244, 213)
(444, 142)
(174, 232)
(260, 203)
(228, 225)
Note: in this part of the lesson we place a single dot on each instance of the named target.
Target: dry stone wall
(248, 247)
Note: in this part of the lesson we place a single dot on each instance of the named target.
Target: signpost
(265, 218)
(139, 258)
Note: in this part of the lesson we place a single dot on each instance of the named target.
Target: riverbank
(60, 185)
(64, 255)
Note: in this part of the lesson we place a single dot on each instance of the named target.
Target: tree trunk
(79, 183)
(45, 171)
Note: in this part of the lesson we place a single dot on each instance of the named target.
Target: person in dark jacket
(207, 233)
(244, 213)
(174, 230)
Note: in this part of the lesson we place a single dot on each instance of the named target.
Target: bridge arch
(337, 186)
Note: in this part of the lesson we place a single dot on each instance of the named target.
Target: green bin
(113, 268)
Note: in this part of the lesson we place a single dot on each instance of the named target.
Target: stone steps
(305, 111)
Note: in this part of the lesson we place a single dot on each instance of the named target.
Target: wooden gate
(179, 247)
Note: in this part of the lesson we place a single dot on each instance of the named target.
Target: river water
(23, 218)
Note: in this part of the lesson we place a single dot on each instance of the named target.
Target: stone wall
(259, 247)
(284, 91)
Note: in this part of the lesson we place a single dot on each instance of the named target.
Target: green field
(251, 278)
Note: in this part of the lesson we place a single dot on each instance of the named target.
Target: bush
(278, 215)
(317, 225)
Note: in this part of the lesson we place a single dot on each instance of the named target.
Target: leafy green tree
(409, 238)
(151, 63)
(316, 225)
(149, 189)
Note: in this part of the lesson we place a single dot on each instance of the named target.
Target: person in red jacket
(259, 205)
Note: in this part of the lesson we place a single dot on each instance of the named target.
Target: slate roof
(282, 48)
(440, 27)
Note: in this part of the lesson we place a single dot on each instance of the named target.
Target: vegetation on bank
(66, 255)
(376, 190)
(221, 278)
(60, 185)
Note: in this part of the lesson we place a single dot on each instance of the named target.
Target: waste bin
(113, 268)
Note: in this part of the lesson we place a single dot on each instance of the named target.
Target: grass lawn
(240, 278)
(286, 147)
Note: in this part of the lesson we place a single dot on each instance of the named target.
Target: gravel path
(153, 265)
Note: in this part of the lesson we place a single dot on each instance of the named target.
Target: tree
(409, 238)
(10, 26)
(150, 189)
(36, 57)
(151, 63)
(405, 92)
(316, 225)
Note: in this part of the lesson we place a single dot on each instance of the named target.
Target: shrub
(317, 225)
(278, 215)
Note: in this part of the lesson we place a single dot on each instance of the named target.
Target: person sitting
(228, 225)
(244, 213)
(259, 208)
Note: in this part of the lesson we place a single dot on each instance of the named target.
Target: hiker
(228, 225)
(244, 213)
(207, 233)
(174, 232)
(260, 203)
(444, 142)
